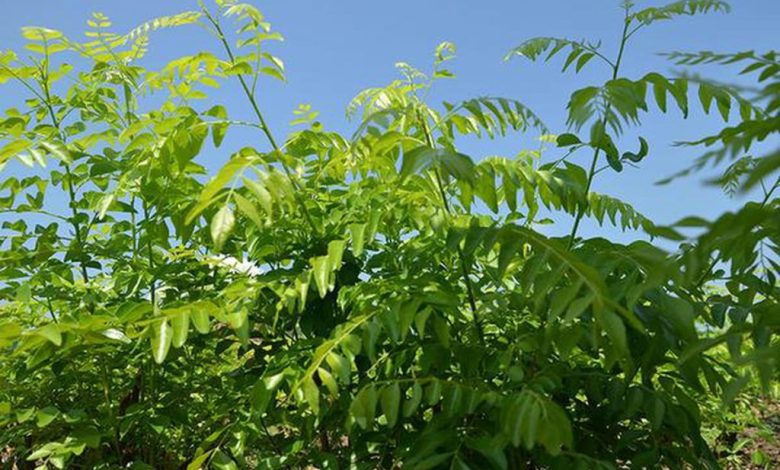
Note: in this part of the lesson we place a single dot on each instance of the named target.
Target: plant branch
(597, 152)
(44, 83)
(461, 256)
(261, 119)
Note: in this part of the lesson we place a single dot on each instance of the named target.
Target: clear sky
(333, 49)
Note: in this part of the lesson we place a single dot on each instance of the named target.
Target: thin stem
(35, 211)
(465, 270)
(604, 167)
(707, 272)
(633, 31)
(134, 228)
(584, 207)
(716, 259)
(270, 436)
(111, 409)
(597, 152)
(566, 157)
(22, 81)
(768, 194)
(44, 83)
(130, 115)
(51, 310)
(261, 119)
(152, 284)
(128, 96)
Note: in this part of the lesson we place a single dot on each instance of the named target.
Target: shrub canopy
(377, 300)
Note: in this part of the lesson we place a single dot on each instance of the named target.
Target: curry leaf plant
(372, 300)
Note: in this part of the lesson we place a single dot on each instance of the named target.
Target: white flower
(235, 265)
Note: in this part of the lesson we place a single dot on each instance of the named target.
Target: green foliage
(376, 301)
(581, 52)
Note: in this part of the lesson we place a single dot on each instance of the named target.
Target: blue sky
(333, 49)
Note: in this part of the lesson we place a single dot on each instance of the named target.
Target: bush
(372, 301)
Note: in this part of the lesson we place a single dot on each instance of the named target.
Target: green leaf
(442, 330)
(705, 96)
(566, 140)
(556, 433)
(239, 68)
(116, 335)
(58, 149)
(491, 448)
(162, 335)
(614, 162)
(340, 366)
(453, 399)
(180, 324)
(357, 234)
(508, 251)
(390, 401)
(248, 209)
(51, 332)
(13, 148)
(606, 144)
(328, 381)
(200, 319)
(218, 130)
(432, 461)
(765, 167)
(615, 329)
(530, 419)
(416, 160)
(274, 73)
(221, 461)
(45, 416)
(413, 402)
(584, 59)
(321, 270)
(210, 190)
(88, 435)
(637, 157)
(530, 414)
(264, 390)
(311, 393)
(677, 8)
(261, 193)
(197, 462)
(335, 253)
(221, 226)
(433, 392)
(363, 407)
(534, 48)
(656, 410)
(37, 33)
(680, 315)
(449, 162)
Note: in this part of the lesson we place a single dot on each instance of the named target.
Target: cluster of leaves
(376, 301)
